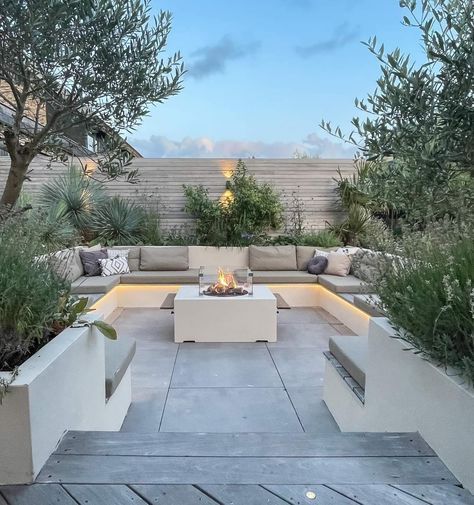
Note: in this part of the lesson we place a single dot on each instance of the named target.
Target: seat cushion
(351, 352)
(282, 276)
(118, 356)
(162, 277)
(347, 284)
(162, 258)
(369, 304)
(93, 285)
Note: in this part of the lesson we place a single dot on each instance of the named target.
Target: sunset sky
(263, 73)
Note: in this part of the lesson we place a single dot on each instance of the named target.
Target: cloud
(343, 35)
(213, 59)
(204, 147)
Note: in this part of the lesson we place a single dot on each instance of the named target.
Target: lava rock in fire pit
(219, 290)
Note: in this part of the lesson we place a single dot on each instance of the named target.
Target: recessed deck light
(311, 495)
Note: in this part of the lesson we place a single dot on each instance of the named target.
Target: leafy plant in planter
(247, 211)
(35, 302)
(427, 292)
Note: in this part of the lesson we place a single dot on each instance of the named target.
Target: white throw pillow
(350, 250)
(118, 253)
(114, 266)
(319, 252)
(339, 263)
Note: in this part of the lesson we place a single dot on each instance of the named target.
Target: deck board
(39, 494)
(243, 470)
(244, 444)
(439, 495)
(174, 495)
(376, 495)
(296, 495)
(94, 494)
(236, 494)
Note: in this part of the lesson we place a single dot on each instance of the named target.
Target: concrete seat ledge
(348, 355)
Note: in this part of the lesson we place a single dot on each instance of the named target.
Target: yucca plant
(75, 196)
(119, 222)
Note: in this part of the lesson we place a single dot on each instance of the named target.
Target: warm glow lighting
(311, 495)
(227, 168)
(226, 198)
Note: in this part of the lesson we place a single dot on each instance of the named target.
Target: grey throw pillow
(90, 261)
(317, 265)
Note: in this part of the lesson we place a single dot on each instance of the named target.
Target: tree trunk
(20, 161)
(14, 183)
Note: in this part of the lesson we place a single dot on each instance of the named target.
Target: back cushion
(67, 262)
(133, 256)
(164, 258)
(281, 257)
(304, 253)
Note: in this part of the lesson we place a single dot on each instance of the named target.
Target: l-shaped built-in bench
(282, 267)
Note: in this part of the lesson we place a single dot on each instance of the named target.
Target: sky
(262, 74)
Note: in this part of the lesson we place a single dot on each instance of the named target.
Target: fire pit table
(225, 307)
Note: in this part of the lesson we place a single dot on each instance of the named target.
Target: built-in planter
(406, 392)
(61, 387)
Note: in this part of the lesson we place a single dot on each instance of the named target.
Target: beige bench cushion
(282, 276)
(351, 352)
(93, 285)
(369, 304)
(133, 255)
(281, 257)
(168, 277)
(118, 356)
(162, 258)
(347, 284)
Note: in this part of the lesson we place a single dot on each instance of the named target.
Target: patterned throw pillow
(114, 266)
(118, 253)
(319, 252)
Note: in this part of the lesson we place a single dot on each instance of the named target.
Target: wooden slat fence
(161, 184)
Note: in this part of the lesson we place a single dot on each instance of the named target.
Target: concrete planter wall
(405, 392)
(61, 387)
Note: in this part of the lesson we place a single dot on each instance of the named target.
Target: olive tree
(419, 123)
(95, 64)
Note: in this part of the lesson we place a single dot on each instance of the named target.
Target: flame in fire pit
(226, 285)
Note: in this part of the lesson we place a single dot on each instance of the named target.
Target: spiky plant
(73, 195)
(119, 222)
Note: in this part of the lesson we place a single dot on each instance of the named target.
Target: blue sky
(263, 73)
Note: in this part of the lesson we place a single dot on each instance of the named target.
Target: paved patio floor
(256, 387)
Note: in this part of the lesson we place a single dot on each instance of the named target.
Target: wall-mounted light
(227, 168)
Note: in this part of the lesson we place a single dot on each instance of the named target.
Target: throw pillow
(114, 266)
(338, 264)
(320, 252)
(317, 265)
(90, 261)
(118, 253)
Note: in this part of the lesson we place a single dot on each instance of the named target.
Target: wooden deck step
(244, 458)
(99, 468)
(100, 443)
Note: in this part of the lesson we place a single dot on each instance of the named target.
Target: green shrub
(74, 196)
(31, 293)
(323, 238)
(428, 294)
(246, 213)
(119, 222)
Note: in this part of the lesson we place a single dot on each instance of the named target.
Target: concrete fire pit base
(247, 318)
